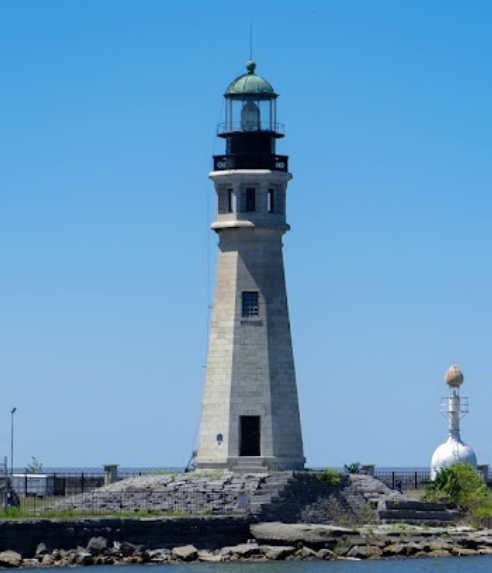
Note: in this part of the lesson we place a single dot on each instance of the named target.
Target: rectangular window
(250, 303)
(271, 201)
(230, 207)
(250, 199)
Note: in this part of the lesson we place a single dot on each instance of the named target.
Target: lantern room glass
(250, 113)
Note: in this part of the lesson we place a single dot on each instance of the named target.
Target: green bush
(460, 486)
(353, 468)
(329, 476)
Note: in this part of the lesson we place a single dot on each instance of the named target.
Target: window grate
(250, 303)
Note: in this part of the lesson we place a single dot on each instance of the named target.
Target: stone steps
(290, 497)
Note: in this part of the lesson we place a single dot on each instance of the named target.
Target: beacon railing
(241, 126)
(251, 161)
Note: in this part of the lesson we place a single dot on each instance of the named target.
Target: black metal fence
(403, 479)
(68, 481)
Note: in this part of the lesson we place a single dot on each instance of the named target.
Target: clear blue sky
(108, 114)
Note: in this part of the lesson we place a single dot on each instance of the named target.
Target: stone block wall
(211, 532)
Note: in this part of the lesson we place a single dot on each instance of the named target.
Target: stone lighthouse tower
(250, 412)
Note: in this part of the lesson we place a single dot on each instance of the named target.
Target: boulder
(41, 549)
(83, 558)
(437, 545)
(293, 533)
(464, 552)
(243, 550)
(365, 552)
(10, 559)
(325, 554)
(394, 549)
(104, 560)
(127, 549)
(157, 556)
(30, 562)
(185, 553)
(277, 552)
(484, 550)
(439, 553)
(306, 553)
(209, 557)
(97, 545)
(47, 560)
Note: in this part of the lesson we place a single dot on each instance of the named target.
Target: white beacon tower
(250, 412)
(453, 407)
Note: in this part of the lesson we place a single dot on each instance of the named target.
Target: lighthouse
(453, 407)
(250, 410)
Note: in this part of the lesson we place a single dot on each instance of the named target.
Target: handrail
(248, 127)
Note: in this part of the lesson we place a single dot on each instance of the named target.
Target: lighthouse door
(250, 436)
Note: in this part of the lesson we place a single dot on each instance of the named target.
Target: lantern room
(251, 104)
(250, 128)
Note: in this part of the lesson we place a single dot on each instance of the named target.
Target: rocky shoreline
(273, 542)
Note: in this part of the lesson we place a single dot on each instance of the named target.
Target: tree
(35, 467)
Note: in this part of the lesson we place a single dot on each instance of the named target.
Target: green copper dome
(251, 84)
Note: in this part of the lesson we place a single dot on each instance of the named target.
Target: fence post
(393, 480)
(82, 482)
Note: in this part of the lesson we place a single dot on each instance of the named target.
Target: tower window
(250, 199)
(250, 303)
(230, 207)
(271, 201)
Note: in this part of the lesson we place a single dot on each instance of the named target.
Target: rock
(209, 557)
(47, 560)
(132, 559)
(484, 550)
(97, 545)
(59, 555)
(468, 541)
(325, 554)
(438, 544)
(438, 553)
(243, 550)
(394, 549)
(41, 549)
(104, 560)
(306, 553)
(410, 548)
(464, 552)
(127, 549)
(10, 559)
(292, 533)
(33, 562)
(157, 556)
(276, 553)
(365, 552)
(185, 553)
(83, 558)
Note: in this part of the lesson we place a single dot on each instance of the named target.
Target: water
(482, 564)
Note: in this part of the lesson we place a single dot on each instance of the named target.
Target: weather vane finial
(251, 40)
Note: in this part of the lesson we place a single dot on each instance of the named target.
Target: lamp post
(12, 412)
